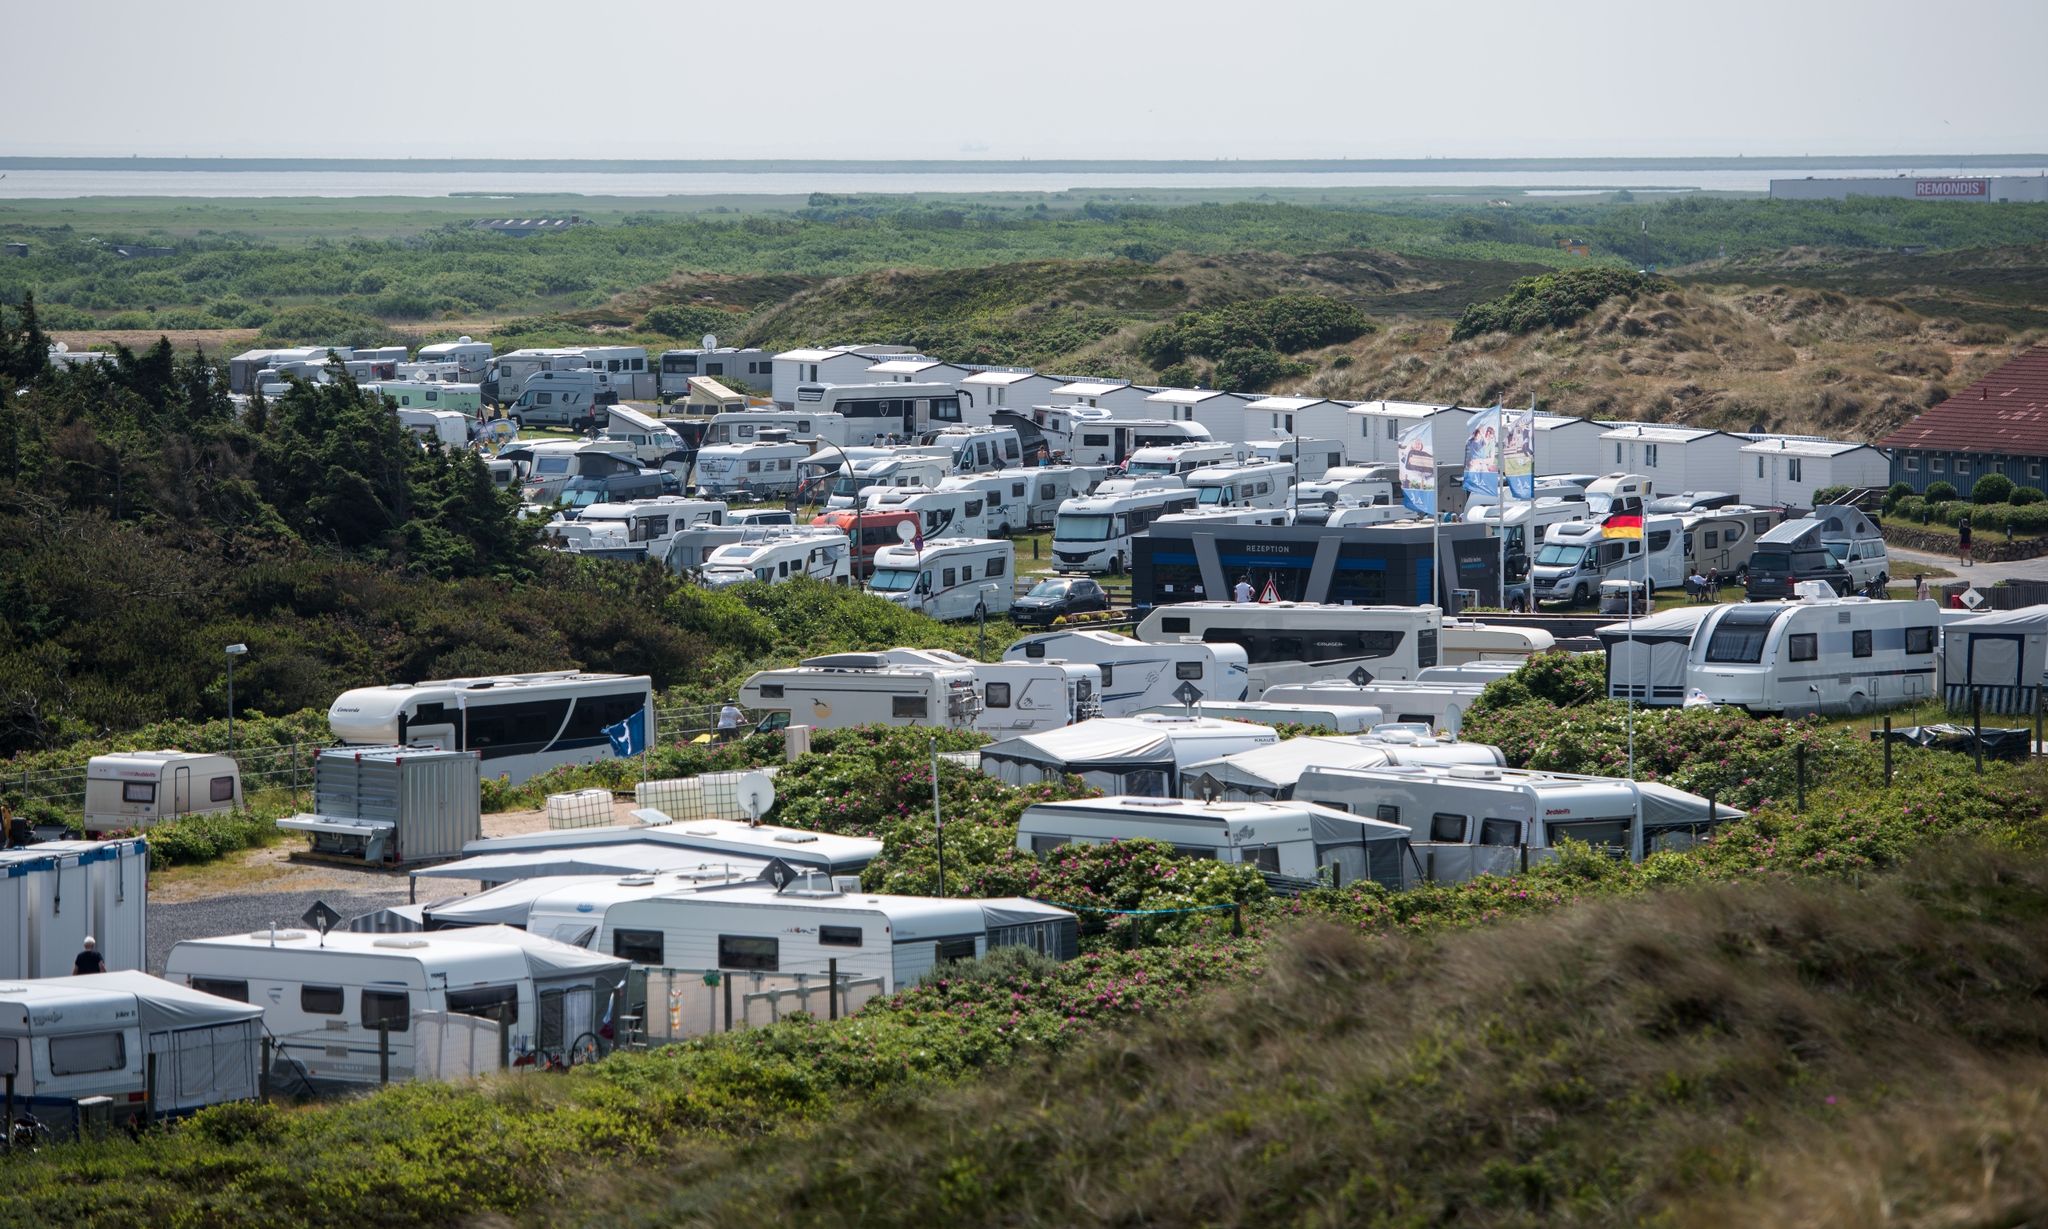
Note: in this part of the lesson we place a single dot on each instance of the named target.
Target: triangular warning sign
(1270, 594)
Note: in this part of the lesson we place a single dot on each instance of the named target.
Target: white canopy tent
(1139, 755)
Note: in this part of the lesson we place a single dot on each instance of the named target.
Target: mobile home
(1137, 676)
(762, 470)
(1017, 697)
(54, 894)
(955, 578)
(132, 790)
(791, 370)
(1719, 541)
(1827, 655)
(835, 697)
(1180, 460)
(748, 426)
(895, 468)
(520, 724)
(979, 450)
(1141, 755)
(1264, 484)
(883, 413)
(1301, 842)
(1576, 557)
(1053, 485)
(818, 553)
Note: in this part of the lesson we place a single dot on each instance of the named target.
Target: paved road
(1984, 574)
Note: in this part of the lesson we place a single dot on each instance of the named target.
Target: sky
(1022, 78)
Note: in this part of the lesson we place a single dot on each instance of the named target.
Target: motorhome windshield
(583, 499)
(1143, 469)
(1213, 494)
(1560, 555)
(893, 580)
(1080, 527)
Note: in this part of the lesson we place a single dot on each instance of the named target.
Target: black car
(1053, 599)
(1774, 571)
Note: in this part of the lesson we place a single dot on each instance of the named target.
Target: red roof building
(1999, 425)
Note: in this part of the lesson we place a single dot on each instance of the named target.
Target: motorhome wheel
(518, 423)
(1859, 704)
(1116, 564)
(1579, 595)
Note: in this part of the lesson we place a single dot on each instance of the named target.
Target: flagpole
(1642, 554)
(1500, 503)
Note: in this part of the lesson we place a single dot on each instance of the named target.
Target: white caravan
(1270, 774)
(955, 578)
(328, 998)
(130, 791)
(884, 413)
(1827, 655)
(1180, 460)
(1301, 842)
(1317, 457)
(1017, 697)
(894, 469)
(1469, 820)
(445, 427)
(520, 724)
(1053, 485)
(65, 1039)
(1262, 484)
(734, 365)
(748, 426)
(1094, 533)
(54, 894)
(1576, 557)
(1141, 755)
(1137, 676)
(463, 399)
(572, 399)
(654, 442)
(1438, 707)
(757, 471)
(818, 553)
(472, 359)
(941, 513)
(711, 841)
(836, 697)
(978, 450)
(1008, 496)
(643, 529)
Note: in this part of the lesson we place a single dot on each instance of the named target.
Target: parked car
(1775, 571)
(1056, 598)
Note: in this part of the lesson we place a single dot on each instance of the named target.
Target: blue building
(1363, 565)
(1999, 425)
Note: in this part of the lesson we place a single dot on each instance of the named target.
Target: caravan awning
(1273, 771)
(1088, 746)
(546, 959)
(631, 858)
(167, 1007)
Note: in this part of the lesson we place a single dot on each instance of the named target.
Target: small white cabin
(54, 894)
(1300, 842)
(132, 790)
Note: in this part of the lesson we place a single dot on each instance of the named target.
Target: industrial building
(1991, 188)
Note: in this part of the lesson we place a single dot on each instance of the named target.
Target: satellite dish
(755, 794)
(710, 341)
(463, 340)
(63, 348)
(905, 531)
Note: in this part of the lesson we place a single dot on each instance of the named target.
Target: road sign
(1360, 677)
(1972, 598)
(779, 873)
(321, 917)
(1188, 694)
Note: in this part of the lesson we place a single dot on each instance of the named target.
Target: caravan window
(909, 706)
(997, 566)
(638, 946)
(1387, 814)
(1425, 647)
(1178, 624)
(839, 936)
(1859, 643)
(138, 791)
(1919, 640)
(1444, 827)
(1265, 857)
(1187, 669)
(771, 691)
(1609, 834)
(221, 789)
(996, 695)
(1046, 844)
(749, 952)
(957, 949)
(223, 987)
(320, 1000)
(1499, 832)
(88, 1053)
(1804, 647)
(500, 1003)
(389, 1009)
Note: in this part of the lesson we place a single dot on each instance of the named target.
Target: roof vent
(796, 838)
(637, 881)
(278, 936)
(409, 944)
(1475, 772)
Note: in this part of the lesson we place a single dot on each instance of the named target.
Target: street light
(846, 464)
(234, 651)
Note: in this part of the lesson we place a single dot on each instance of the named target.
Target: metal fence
(274, 767)
(685, 1003)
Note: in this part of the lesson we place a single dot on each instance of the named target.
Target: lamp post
(233, 651)
(846, 467)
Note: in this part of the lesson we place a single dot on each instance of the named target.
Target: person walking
(728, 722)
(89, 960)
(1243, 590)
(1963, 540)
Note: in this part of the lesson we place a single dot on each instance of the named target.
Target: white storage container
(585, 808)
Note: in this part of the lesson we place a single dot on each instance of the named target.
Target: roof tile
(2006, 412)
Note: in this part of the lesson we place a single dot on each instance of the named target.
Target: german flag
(1623, 525)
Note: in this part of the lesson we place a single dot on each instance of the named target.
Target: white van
(954, 578)
(977, 450)
(1851, 537)
(1619, 492)
(572, 399)
(1576, 556)
(1093, 534)
(135, 789)
(1262, 484)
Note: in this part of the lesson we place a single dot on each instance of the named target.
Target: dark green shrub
(1829, 495)
(2022, 496)
(1249, 370)
(1284, 324)
(1940, 492)
(1554, 300)
(1896, 492)
(1991, 489)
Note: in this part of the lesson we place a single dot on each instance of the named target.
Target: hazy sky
(1022, 78)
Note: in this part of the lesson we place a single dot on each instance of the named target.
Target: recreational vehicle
(978, 450)
(627, 487)
(572, 399)
(552, 464)
(1270, 774)
(1094, 533)
(1827, 655)
(1300, 842)
(472, 359)
(1307, 460)
(1088, 435)
(870, 532)
(1180, 460)
(1720, 541)
(1432, 706)
(735, 365)
(643, 529)
(130, 791)
(1576, 556)
(884, 413)
(1017, 697)
(1227, 516)
(1053, 485)
(464, 399)
(444, 427)
(1303, 642)
(332, 1001)
(1526, 525)
(1346, 485)
(54, 894)
(764, 469)
(520, 724)
(941, 513)
(893, 469)
(1468, 820)
(65, 1040)
(708, 841)
(871, 693)
(820, 554)
(1049, 431)
(1263, 484)
(1856, 541)
(1789, 554)
(1341, 718)
(1137, 676)
(749, 426)
(1008, 496)
(654, 443)
(955, 578)
(1141, 755)
(1619, 493)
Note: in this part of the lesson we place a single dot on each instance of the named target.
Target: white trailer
(1304, 843)
(748, 426)
(472, 359)
(819, 553)
(1261, 484)
(764, 469)
(66, 1039)
(1094, 534)
(133, 790)
(643, 529)
(836, 697)
(1142, 755)
(1469, 820)
(54, 894)
(954, 578)
(1826, 655)
(445, 427)
(1137, 676)
(712, 841)
(1270, 774)
(1719, 541)
(1436, 707)
(941, 513)
(882, 413)
(654, 443)
(329, 999)
(1017, 697)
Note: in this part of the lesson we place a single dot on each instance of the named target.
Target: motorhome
(1857, 542)
(627, 369)
(1437, 707)
(1017, 697)
(1619, 492)
(746, 367)
(1307, 460)
(146, 1044)
(1301, 842)
(1180, 460)
(943, 513)
(868, 693)
(1576, 556)
(1526, 526)
(1008, 496)
(572, 399)
(635, 530)
(551, 464)
(818, 553)
(764, 469)
(1049, 431)
(1271, 774)
(894, 468)
(1053, 485)
(625, 487)
(1137, 676)
(979, 450)
(1346, 486)
(445, 427)
(1094, 533)
(430, 373)
(886, 412)
(472, 359)
(1720, 541)
(1264, 484)
(520, 724)
(1140, 755)
(870, 533)
(55, 893)
(333, 1000)
(134, 790)
(748, 426)
(952, 578)
(654, 442)
(1826, 655)
(464, 399)
(1470, 820)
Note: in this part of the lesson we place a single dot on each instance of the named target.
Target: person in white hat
(89, 960)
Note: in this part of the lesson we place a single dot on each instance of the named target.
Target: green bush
(690, 320)
(1284, 324)
(1554, 300)
(2025, 496)
(1249, 370)
(1896, 492)
(1940, 492)
(204, 838)
(1829, 495)
(1991, 489)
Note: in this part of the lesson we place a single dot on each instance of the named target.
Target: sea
(74, 184)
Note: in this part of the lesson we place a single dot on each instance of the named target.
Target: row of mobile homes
(133, 790)
(1142, 755)
(1303, 843)
(1783, 472)
(1428, 706)
(1470, 820)
(67, 1040)
(1270, 774)
(792, 369)
(1220, 413)
(393, 805)
(1677, 458)
(1137, 676)
(958, 578)
(439, 1000)
(747, 367)
(819, 553)
(520, 725)
(53, 895)
(1577, 557)
(708, 841)
(870, 693)
(1996, 661)
(1095, 533)
(1017, 697)
(1375, 428)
